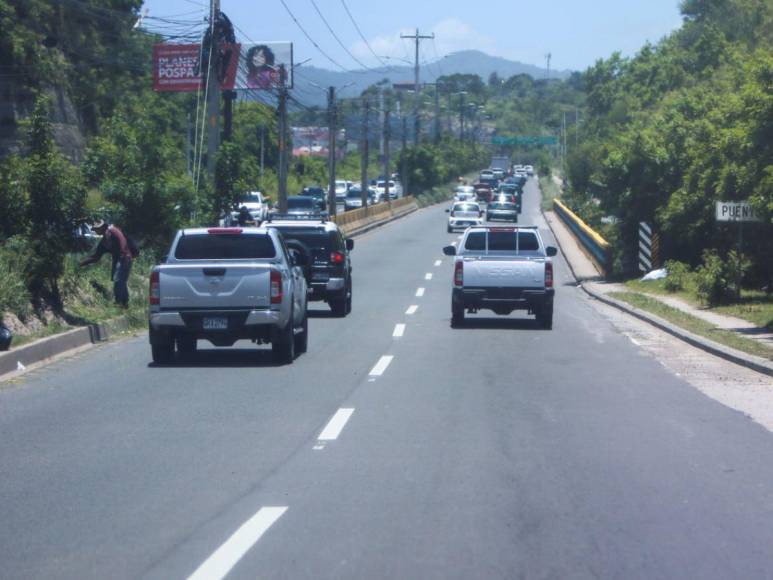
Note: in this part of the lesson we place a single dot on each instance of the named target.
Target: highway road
(397, 447)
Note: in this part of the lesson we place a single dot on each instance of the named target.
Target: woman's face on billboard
(258, 59)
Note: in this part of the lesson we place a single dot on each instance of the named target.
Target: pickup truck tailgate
(503, 272)
(215, 286)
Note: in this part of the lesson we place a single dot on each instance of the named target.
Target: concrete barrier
(358, 219)
(595, 247)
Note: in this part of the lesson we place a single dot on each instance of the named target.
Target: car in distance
(306, 205)
(227, 284)
(354, 198)
(502, 269)
(463, 215)
(341, 189)
(255, 203)
(327, 252)
(502, 210)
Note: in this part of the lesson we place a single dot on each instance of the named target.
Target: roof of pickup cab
(224, 231)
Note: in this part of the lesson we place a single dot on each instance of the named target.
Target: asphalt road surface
(496, 450)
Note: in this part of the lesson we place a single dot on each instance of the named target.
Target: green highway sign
(525, 140)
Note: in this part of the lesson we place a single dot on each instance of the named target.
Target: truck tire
(457, 315)
(545, 316)
(162, 353)
(302, 338)
(283, 344)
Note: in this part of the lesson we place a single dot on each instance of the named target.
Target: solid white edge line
(438, 262)
(420, 292)
(381, 366)
(220, 563)
(399, 330)
(412, 308)
(336, 424)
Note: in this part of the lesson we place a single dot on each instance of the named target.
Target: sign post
(739, 212)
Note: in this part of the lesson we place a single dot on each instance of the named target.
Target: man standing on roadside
(114, 242)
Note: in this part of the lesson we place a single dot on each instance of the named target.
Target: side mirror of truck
(349, 244)
(449, 250)
(551, 251)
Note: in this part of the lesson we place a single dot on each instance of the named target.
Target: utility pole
(548, 56)
(331, 150)
(188, 146)
(386, 160)
(364, 157)
(228, 111)
(213, 89)
(437, 113)
(282, 129)
(417, 87)
(461, 116)
(262, 151)
(381, 109)
(404, 157)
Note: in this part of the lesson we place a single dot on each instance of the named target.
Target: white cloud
(451, 35)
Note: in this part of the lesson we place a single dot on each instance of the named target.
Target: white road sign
(736, 211)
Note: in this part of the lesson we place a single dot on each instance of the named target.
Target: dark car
(501, 210)
(305, 205)
(316, 193)
(326, 252)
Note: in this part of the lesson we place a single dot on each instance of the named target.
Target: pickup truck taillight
(276, 287)
(337, 257)
(459, 273)
(548, 274)
(154, 295)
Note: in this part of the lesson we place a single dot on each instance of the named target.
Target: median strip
(219, 564)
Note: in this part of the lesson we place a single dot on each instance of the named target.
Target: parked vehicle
(463, 215)
(502, 269)
(226, 284)
(502, 210)
(326, 250)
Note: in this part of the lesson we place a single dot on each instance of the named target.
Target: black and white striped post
(645, 247)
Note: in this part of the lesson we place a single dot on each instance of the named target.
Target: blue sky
(575, 33)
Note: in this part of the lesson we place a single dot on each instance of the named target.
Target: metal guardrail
(596, 247)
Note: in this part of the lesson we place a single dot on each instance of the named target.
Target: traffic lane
(122, 460)
(523, 452)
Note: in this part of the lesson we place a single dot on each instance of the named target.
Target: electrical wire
(330, 28)
(362, 36)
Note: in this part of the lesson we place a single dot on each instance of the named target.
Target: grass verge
(694, 324)
(550, 190)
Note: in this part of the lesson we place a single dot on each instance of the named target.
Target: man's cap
(98, 224)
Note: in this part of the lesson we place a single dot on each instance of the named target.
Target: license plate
(215, 323)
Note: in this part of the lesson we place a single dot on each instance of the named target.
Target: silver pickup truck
(227, 284)
(502, 269)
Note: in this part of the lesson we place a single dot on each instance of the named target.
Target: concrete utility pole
(331, 150)
(461, 115)
(417, 87)
(282, 130)
(386, 159)
(404, 157)
(364, 157)
(437, 113)
(381, 109)
(213, 89)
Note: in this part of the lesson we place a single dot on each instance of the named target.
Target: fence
(355, 219)
(594, 246)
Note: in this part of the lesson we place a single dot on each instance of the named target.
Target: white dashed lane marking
(219, 564)
(428, 276)
(412, 308)
(438, 262)
(336, 424)
(399, 330)
(420, 292)
(381, 366)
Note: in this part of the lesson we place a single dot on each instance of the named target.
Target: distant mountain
(463, 62)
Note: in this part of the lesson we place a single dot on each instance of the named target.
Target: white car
(529, 170)
(256, 203)
(464, 215)
(342, 188)
(395, 189)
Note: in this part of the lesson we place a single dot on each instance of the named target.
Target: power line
(362, 36)
(310, 39)
(358, 61)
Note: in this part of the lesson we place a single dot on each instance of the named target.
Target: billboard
(260, 65)
(176, 67)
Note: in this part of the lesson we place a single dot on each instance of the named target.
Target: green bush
(14, 264)
(719, 281)
(678, 275)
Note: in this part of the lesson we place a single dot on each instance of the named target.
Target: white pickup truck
(227, 284)
(502, 269)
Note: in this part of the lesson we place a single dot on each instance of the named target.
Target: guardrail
(595, 247)
(357, 218)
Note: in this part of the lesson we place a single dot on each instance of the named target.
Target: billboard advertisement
(176, 67)
(260, 65)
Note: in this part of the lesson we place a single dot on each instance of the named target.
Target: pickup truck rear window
(219, 247)
(502, 242)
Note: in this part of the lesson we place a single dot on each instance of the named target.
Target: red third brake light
(337, 258)
(154, 295)
(224, 231)
(459, 273)
(276, 287)
(548, 274)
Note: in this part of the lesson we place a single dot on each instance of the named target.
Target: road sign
(736, 211)
(649, 247)
(525, 140)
